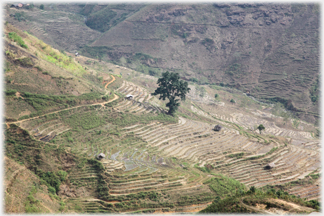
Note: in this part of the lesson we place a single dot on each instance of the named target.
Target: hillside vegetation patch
(16, 38)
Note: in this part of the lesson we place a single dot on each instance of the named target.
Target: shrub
(252, 189)
(62, 174)
(194, 80)
(20, 16)
(51, 178)
(38, 68)
(41, 7)
(232, 101)
(51, 190)
(10, 92)
(26, 62)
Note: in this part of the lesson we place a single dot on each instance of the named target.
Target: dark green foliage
(31, 204)
(96, 164)
(13, 36)
(238, 155)
(234, 70)
(216, 95)
(203, 169)
(232, 101)
(194, 80)
(314, 204)
(153, 196)
(25, 62)
(97, 52)
(260, 128)
(315, 176)
(38, 68)
(100, 20)
(20, 16)
(252, 189)
(172, 88)
(209, 44)
(30, 6)
(62, 174)
(102, 189)
(10, 92)
(82, 163)
(51, 190)
(41, 7)
(51, 178)
(314, 91)
(227, 205)
(255, 196)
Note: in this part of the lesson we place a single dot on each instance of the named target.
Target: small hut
(270, 166)
(217, 128)
(101, 156)
(129, 97)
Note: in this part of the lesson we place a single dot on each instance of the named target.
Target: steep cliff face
(269, 50)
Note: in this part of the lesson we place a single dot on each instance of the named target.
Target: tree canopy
(172, 88)
(260, 128)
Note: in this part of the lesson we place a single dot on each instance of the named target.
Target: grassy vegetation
(252, 197)
(225, 186)
(22, 148)
(237, 155)
(125, 119)
(52, 55)
(32, 204)
(42, 103)
(86, 120)
(20, 16)
(52, 179)
(16, 38)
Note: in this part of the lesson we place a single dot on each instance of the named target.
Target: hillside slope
(270, 51)
(62, 111)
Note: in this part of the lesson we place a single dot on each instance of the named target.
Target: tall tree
(260, 128)
(171, 87)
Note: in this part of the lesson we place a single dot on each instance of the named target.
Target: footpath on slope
(102, 104)
(111, 81)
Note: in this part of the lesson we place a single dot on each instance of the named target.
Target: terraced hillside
(240, 45)
(145, 156)
(152, 162)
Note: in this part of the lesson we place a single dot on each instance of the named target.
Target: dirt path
(113, 79)
(14, 176)
(293, 205)
(50, 211)
(254, 208)
(102, 104)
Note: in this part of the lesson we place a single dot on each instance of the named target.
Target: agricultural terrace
(154, 157)
(153, 162)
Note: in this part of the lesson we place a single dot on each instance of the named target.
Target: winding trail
(101, 103)
(111, 81)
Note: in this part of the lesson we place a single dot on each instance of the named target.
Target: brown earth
(269, 50)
